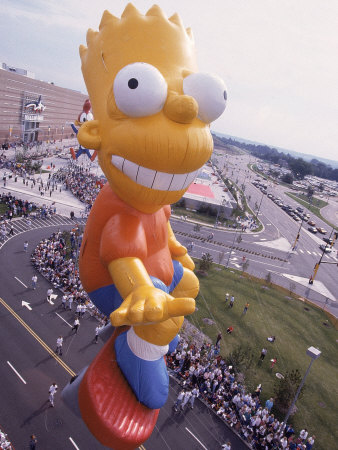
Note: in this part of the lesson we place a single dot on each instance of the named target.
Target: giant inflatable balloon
(152, 112)
(84, 116)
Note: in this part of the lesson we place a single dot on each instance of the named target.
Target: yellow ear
(89, 136)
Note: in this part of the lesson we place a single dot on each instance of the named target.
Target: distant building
(33, 110)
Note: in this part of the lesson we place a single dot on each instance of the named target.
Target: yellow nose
(180, 108)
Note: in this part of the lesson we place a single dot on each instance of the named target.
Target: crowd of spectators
(83, 184)
(202, 372)
(56, 259)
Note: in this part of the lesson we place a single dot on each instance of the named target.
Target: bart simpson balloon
(152, 112)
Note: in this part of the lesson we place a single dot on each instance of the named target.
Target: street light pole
(314, 353)
(298, 235)
(312, 277)
(259, 207)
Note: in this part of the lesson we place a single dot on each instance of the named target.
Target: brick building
(33, 110)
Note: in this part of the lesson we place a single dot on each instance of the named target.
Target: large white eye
(82, 117)
(140, 90)
(210, 93)
(85, 117)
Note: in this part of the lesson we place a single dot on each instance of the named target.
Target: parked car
(313, 230)
(312, 223)
(300, 209)
(325, 248)
(321, 230)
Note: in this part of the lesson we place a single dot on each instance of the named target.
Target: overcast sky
(279, 59)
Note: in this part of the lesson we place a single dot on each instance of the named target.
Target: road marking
(26, 304)
(23, 284)
(14, 370)
(192, 434)
(308, 252)
(72, 441)
(64, 320)
(301, 251)
(44, 345)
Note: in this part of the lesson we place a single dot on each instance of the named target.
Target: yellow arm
(156, 315)
(178, 251)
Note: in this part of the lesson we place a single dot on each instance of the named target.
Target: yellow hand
(147, 304)
(186, 261)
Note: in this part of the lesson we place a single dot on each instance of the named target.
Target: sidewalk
(64, 201)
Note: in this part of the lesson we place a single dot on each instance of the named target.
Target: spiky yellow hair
(150, 38)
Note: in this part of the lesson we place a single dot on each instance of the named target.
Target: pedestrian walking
(25, 246)
(230, 329)
(187, 397)
(273, 362)
(194, 395)
(34, 281)
(219, 337)
(97, 331)
(52, 391)
(226, 298)
(246, 307)
(49, 293)
(76, 325)
(269, 404)
(32, 442)
(83, 309)
(226, 446)
(59, 342)
(11, 231)
(263, 354)
(64, 301)
(303, 435)
(179, 400)
(70, 300)
(78, 310)
(232, 301)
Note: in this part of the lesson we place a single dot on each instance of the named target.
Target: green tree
(241, 358)
(206, 262)
(287, 178)
(285, 389)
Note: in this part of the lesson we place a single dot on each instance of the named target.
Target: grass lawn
(296, 326)
(302, 199)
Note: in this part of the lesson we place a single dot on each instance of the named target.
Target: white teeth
(130, 169)
(162, 181)
(145, 176)
(117, 161)
(190, 178)
(178, 182)
(149, 178)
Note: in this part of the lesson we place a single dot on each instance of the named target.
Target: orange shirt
(116, 230)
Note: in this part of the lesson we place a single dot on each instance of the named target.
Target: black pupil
(132, 83)
(225, 95)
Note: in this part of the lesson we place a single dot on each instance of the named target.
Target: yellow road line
(44, 345)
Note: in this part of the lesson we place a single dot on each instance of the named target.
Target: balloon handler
(152, 112)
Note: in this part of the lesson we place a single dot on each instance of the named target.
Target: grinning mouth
(153, 179)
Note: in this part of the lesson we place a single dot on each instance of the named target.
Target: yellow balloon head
(140, 74)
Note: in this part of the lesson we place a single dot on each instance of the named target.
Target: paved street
(29, 365)
(30, 325)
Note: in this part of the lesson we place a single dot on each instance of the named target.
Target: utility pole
(315, 270)
(298, 235)
(259, 207)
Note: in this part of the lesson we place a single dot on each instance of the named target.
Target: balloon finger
(154, 309)
(181, 306)
(136, 311)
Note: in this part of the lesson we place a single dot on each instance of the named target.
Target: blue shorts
(108, 298)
